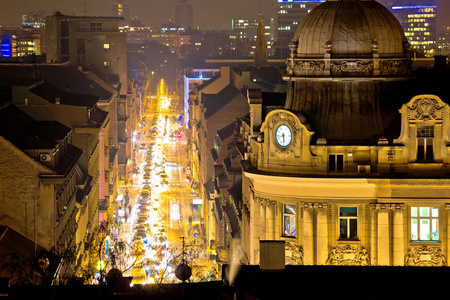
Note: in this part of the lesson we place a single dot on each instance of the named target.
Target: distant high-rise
(248, 29)
(183, 15)
(120, 8)
(289, 15)
(418, 19)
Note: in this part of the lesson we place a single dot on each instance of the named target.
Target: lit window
(424, 223)
(106, 63)
(106, 46)
(425, 138)
(336, 162)
(348, 223)
(290, 228)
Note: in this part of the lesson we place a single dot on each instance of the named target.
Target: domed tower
(348, 57)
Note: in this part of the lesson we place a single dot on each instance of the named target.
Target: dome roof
(350, 28)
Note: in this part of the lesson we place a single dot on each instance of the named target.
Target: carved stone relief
(425, 256)
(394, 67)
(426, 109)
(294, 254)
(348, 255)
(266, 202)
(352, 66)
(318, 205)
(304, 67)
(387, 206)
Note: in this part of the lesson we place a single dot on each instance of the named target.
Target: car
(138, 274)
(141, 233)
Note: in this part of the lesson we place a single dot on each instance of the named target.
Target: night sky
(208, 14)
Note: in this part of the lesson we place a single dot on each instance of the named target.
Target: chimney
(272, 255)
(440, 62)
(255, 100)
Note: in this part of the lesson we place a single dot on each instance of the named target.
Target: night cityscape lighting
(289, 149)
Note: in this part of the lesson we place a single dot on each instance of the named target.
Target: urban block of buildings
(348, 167)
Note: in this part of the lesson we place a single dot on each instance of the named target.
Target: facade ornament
(266, 202)
(285, 118)
(426, 109)
(328, 46)
(294, 254)
(394, 67)
(375, 46)
(387, 206)
(317, 205)
(352, 66)
(307, 67)
(425, 256)
(348, 255)
(391, 155)
(293, 48)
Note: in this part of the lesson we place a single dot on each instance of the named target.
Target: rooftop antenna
(85, 10)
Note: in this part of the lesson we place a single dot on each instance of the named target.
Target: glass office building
(418, 19)
(289, 14)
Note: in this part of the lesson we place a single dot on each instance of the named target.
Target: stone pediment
(424, 108)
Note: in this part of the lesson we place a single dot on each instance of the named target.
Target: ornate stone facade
(348, 255)
(425, 256)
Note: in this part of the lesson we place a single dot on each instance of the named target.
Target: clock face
(283, 135)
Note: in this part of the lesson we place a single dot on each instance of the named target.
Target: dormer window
(425, 129)
(425, 141)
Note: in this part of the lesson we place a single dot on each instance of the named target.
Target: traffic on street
(163, 212)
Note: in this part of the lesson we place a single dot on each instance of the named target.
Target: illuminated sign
(197, 201)
(6, 46)
(413, 7)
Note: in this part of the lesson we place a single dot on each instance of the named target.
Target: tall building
(443, 42)
(183, 14)
(247, 29)
(96, 44)
(21, 41)
(289, 15)
(121, 8)
(349, 168)
(418, 19)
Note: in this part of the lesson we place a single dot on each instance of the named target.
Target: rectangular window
(336, 162)
(348, 223)
(64, 28)
(106, 46)
(64, 46)
(289, 220)
(96, 26)
(425, 139)
(424, 224)
(81, 48)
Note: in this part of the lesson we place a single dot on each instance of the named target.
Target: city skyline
(155, 13)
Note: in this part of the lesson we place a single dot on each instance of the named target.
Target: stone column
(270, 220)
(398, 238)
(373, 235)
(322, 233)
(253, 226)
(308, 234)
(447, 208)
(383, 245)
(262, 219)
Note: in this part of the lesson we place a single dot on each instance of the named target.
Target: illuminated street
(162, 206)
